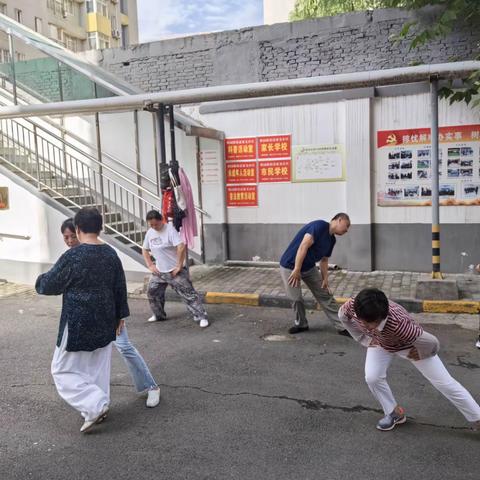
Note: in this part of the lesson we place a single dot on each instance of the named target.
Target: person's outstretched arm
(346, 317)
(57, 279)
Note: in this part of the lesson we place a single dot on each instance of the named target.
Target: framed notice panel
(404, 166)
(318, 163)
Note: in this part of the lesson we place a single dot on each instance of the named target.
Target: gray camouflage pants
(182, 285)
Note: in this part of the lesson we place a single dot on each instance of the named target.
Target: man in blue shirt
(313, 243)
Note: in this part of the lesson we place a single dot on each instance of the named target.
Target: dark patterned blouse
(92, 282)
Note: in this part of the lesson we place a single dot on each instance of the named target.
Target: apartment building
(78, 25)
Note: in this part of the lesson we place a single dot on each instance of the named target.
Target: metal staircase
(73, 177)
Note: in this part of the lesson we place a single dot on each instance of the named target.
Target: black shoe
(297, 329)
(345, 333)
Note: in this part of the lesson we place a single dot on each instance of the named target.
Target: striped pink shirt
(398, 332)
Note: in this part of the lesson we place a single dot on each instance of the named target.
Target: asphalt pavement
(235, 404)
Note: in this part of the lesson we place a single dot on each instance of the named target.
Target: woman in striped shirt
(387, 329)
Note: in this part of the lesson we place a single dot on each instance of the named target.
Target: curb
(253, 299)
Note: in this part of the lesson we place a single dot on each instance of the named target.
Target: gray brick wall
(345, 43)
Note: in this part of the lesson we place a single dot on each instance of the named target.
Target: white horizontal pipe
(341, 81)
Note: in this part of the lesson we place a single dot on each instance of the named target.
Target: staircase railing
(77, 179)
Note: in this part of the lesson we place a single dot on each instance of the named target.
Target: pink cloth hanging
(189, 224)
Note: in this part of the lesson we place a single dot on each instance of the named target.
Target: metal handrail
(94, 160)
(73, 203)
(77, 138)
(16, 237)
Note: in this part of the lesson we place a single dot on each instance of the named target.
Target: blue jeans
(142, 378)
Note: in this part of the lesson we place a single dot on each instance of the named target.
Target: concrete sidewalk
(263, 287)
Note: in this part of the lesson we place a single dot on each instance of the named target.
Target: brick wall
(345, 43)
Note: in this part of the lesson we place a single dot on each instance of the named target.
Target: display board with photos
(404, 166)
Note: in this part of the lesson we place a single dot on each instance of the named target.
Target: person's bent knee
(373, 379)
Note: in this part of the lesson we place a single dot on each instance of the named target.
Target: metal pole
(12, 64)
(100, 170)
(161, 132)
(171, 116)
(436, 273)
(35, 142)
(137, 160)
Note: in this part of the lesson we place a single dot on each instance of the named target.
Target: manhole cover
(277, 338)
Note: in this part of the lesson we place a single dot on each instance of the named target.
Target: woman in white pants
(92, 282)
(388, 330)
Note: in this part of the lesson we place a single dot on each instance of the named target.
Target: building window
(124, 6)
(103, 41)
(70, 42)
(4, 56)
(18, 15)
(3, 8)
(90, 6)
(125, 40)
(38, 24)
(68, 7)
(54, 32)
(92, 40)
(102, 7)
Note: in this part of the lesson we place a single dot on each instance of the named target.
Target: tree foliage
(445, 16)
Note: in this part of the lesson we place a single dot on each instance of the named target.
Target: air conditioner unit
(116, 33)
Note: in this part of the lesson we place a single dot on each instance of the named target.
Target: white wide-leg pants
(83, 378)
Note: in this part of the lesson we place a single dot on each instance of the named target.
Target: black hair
(371, 305)
(341, 216)
(68, 225)
(154, 215)
(88, 220)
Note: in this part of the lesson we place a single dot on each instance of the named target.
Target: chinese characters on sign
(277, 146)
(242, 196)
(404, 166)
(274, 171)
(274, 165)
(240, 148)
(209, 166)
(241, 172)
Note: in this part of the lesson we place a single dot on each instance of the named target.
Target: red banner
(275, 146)
(242, 196)
(274, 171)
(419, 136)
(241, 148)
(241, 172)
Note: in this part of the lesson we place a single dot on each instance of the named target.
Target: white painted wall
(29, 215)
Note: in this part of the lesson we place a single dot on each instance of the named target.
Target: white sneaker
(88, 425)
(153, 318)
(477, 344)
(153, 398)
(203, 323)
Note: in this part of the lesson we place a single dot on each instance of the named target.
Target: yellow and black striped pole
(436, 272)
(436, 252)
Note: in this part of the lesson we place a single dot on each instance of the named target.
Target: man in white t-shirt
(164, 243)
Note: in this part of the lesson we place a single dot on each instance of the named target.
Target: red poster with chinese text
(242, 196)
(241, 148)
(419, 136)
(275, 146)
(241, 172)
(274, 171)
